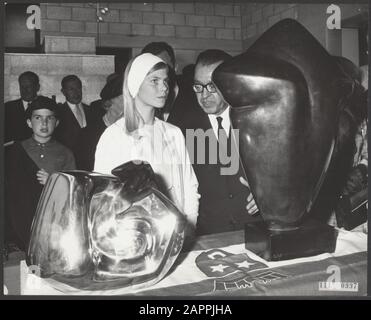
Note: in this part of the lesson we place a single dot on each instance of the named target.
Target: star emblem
(244, 264)
(218, 268)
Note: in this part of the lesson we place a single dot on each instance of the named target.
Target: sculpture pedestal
(309, 239)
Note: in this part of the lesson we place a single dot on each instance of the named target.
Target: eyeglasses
(199, 88)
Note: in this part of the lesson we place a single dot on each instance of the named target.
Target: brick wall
(189, 27)
(257, 18)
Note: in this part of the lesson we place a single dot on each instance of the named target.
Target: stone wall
(189, 27)
(51, 68)
(257, 17)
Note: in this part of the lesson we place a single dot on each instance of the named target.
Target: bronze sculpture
(291, 104)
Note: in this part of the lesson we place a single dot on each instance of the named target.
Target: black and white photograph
(185, 150)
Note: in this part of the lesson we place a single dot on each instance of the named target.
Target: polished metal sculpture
(97, 232)
(287, 96)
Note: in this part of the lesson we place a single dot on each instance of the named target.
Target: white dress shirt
(77, 113)
(226, 123)
(25, 104)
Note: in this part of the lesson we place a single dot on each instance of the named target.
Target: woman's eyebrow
(158, 77)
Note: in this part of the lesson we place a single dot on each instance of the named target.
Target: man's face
(72, 90)
(211, 103)
(42, 123)
(28, 88)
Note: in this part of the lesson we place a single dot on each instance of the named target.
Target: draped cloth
(219, 265)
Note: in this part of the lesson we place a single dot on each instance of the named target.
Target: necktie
(79, 115)
(221, 130)
(224, 145)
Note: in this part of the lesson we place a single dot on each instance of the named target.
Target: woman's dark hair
(158, 47)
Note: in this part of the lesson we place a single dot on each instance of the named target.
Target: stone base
(311, 238)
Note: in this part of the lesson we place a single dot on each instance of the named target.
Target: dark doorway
(360, 22)
(122, 56)
(17, 37)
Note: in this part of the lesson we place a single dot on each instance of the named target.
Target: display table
(219, 265)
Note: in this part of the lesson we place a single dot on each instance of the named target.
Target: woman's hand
(251, 206)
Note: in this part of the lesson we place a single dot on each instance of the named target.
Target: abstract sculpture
(97, 232)
(290, 103)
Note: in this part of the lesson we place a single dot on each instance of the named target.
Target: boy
(28, 165)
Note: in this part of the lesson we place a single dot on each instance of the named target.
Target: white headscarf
(140, 67)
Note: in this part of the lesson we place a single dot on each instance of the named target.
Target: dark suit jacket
(223, 198)
(16, 128)
(184, 103)
(81, 141)
(22, 193)
(92, 133)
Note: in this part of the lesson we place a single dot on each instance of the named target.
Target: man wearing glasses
(226, 203)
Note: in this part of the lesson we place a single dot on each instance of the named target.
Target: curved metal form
(98, 232)
(286, 98)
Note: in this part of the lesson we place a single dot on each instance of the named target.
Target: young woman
(139, 135)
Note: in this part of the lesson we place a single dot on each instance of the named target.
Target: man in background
(16, 128)
(74, 117)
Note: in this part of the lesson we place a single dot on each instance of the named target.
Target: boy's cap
(41, 102)
(113, 87)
